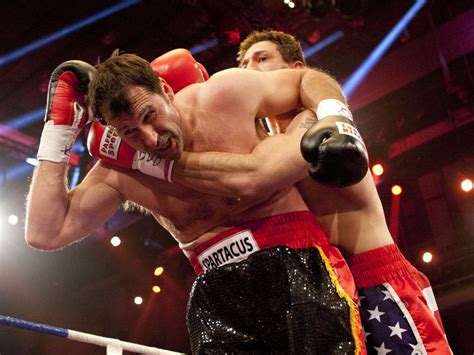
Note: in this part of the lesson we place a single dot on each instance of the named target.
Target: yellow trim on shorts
(354, 313)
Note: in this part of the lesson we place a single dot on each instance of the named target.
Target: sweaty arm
(249, 175)
(55, 216)
(275, 162)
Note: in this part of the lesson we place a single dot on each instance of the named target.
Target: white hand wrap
(153, 165)
(332, 107)
(56, 142)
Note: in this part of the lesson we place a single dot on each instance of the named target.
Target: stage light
(25, 119)
(32, 161)
(18, 53)
(374, 57)
(76, 172)
(138, 300)
(202, 47)
(394, 224)
(466, 185)
(313, 37)
(13, 219)
(232, 36)
(427, 257)
(156, 289)
(115, 241)
(291, 4)
(321, 44)
(396, 190)
(377, 169)
(15, 171)
(158, 271)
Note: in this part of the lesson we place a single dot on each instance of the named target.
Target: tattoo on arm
(308, 122)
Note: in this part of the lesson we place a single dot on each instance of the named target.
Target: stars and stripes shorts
(273, 285)
(397, 305)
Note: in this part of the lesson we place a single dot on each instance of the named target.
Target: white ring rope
(114, 346)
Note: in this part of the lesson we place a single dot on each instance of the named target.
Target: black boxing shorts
(274, 284)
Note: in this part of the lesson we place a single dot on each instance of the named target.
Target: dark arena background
(410, 88)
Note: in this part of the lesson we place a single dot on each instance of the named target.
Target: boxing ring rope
(114, 346)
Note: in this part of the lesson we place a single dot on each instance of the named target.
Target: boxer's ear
(297, 64)
(167, 89)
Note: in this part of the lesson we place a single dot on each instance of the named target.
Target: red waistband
(374, 267)
(295, 229)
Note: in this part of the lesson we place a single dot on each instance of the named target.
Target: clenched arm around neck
(274, 163)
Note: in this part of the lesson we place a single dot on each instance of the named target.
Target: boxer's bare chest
(181, 210)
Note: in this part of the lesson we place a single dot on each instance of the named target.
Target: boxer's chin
(171, 150)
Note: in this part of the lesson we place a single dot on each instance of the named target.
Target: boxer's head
(270, 50)
(108, 90)
(126, 94)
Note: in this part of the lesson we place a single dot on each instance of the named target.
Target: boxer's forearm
(47, 203)
(275, 163)
(316, 86)
(56, 217)
(224, 174)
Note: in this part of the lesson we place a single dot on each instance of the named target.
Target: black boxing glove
(334, 148)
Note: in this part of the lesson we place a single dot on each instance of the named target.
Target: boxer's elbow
(39, 244)
(43, 241)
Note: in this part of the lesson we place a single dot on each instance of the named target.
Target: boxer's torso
(191, 216)
(353, 218)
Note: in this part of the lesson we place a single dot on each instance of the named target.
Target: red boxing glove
(66, 94)
(104, 143)
(203, 70)
(66, 111)
(179, 69)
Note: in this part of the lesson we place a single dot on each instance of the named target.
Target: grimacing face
(153, 125)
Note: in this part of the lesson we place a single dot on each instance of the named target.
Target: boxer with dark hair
(269, 279)
(395, 296)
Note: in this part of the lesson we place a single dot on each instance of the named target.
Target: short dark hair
(287, 45)
(108, 90)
